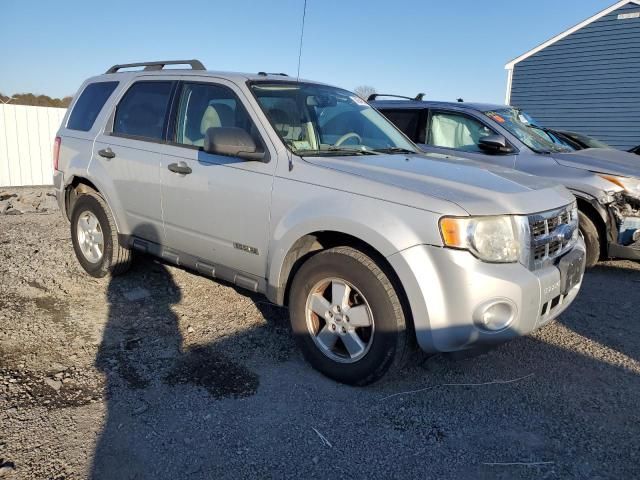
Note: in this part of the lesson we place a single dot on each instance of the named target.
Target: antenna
(304, 14)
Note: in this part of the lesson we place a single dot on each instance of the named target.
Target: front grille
(552, 234)
(548, 251)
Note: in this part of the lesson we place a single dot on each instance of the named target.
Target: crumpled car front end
(624, 211)
(617, 176)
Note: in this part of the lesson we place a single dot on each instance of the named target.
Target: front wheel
(347, 317)
(95, 237)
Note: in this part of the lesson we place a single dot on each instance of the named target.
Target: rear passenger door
(128, 154)
(219, 212)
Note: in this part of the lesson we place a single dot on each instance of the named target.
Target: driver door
(218, 212)
(456, 134)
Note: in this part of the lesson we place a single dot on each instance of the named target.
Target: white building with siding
(26, 143)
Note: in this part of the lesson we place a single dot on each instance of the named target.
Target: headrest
(210, 119)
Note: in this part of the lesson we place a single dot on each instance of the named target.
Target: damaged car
(605, 181)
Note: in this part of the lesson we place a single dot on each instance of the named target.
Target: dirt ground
(166, 374)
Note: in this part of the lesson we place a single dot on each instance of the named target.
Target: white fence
(26, 143)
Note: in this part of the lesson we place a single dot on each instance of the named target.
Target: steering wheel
(346, 137)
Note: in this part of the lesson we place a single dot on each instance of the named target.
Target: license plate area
(571, 268)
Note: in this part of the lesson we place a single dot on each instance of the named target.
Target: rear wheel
(591, 238)
(347, 317)
(95, 237)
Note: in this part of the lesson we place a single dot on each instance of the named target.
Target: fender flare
(69, 182)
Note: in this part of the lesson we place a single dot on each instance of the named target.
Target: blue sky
(446, 49)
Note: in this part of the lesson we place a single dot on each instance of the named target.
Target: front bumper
(445, 287)
(626, 245)
(627, 252)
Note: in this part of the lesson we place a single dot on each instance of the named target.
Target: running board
(240, 279)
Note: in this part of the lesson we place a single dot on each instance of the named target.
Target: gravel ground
(166, 374)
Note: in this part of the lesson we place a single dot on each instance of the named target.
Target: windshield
(321, 120)
(528, 131)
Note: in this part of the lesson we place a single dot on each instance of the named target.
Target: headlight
(491, 239)
(630, 185)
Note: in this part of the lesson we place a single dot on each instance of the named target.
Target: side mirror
(232, 142)
(494, 144)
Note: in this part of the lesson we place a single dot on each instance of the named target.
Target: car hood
(475, 187)
(602, 160)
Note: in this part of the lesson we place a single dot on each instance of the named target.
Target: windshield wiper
(394, 150)
(351, 151)
(334, 151)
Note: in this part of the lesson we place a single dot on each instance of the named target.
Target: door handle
(180, 168)
(106, 153)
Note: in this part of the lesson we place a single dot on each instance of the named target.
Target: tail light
(56, 152)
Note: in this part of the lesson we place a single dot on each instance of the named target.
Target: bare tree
(363, 91)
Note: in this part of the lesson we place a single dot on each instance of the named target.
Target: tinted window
(142, 110)
(88, 106)
(588, 142)
(205, 106)
(405, 120)
(451, 130)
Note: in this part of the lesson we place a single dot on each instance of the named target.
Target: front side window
(142, 111)
(321, 120)
(86, 109)
(204, 106)
(522, 126)
(453, 130)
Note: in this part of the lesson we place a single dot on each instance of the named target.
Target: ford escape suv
(605, 181)
(305, 193)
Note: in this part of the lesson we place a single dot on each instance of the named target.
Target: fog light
(495, 315)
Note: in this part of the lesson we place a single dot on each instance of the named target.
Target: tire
(114, 259)
(387, 339)
(591, 239)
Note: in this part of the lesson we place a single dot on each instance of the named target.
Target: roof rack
(264, 74)
(373, 96)
(159, 65)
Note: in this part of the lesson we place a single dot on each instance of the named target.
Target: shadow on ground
(553, 405)
(613, 319)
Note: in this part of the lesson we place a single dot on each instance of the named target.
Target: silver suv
(305, 193)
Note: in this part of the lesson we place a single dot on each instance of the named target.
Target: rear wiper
(394, 150)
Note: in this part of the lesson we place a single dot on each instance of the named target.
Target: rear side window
(88, 106)
(142, 111)
(406, 120)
